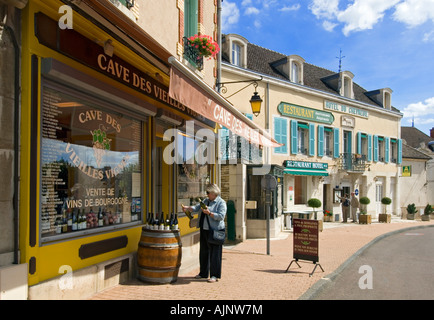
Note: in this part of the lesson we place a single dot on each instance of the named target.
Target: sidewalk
(248, 273)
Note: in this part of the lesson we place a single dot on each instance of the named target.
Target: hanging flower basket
(205, 45)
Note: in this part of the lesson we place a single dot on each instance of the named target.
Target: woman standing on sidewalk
(210, 255)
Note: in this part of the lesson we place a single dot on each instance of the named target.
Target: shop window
(300, 189)
(192, 177)
(91, 165)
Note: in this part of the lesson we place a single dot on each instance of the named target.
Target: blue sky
(386, 43)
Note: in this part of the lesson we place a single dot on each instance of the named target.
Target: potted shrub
(315, 203)
(384, 217)
(364, 217)
(426, 212)
(328, 216)
(411, 211)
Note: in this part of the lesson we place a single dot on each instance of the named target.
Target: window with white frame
(328, 142)
(381, 154)
(236, 54)
(302, 138)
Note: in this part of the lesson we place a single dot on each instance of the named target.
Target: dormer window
(235, 48)
(347, 85)
(296, 69)
(382, 97)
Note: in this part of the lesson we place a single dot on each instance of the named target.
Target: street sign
(356, 192)
(268, 182)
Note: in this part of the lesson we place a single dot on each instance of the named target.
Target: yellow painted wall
(50, 257)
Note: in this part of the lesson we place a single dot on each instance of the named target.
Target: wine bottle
(202, 204)
(175, 222)
(69, 219)
(171, 221)
(187, 212)
(151, 221)
(161, 224)
(74, 221)
(100, 218)
(167, 223)
(156, 222)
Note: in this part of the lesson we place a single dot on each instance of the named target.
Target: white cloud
(357, 16)
(294, 7)
(326, 9)
(230, 15)
(251, 10)
(364, 14)
(414, 12)
(329, 26)
(257, 24)
(423, 112)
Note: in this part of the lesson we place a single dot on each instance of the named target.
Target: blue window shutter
(294, 128)
(336, 142)
(386, 149)
(369, 147)
(375, 148)
(280, 135)
(320, 151)
(399, 160)
(359, 142)
(311, 139)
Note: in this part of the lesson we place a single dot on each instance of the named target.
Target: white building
(337, 137)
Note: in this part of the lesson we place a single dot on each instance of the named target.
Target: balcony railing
(192, 54)
(353, 162)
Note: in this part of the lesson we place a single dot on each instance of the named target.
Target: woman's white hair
(213, 188)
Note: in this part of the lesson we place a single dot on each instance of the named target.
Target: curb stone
(326, 281)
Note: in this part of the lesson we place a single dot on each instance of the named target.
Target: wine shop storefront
(94, 115)
(110, 128)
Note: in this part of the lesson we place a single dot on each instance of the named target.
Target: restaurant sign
(305, 165)
(306, 240)
(304, 113)
(345, 109)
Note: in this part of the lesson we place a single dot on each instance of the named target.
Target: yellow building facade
(95, 107)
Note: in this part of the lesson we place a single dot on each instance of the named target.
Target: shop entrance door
(163, 185)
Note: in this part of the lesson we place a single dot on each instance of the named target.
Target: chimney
(432, 133)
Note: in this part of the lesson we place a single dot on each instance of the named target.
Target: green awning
(305, 172)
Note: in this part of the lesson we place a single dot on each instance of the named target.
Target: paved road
(402, 268)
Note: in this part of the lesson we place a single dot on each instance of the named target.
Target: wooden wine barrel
(159, 256)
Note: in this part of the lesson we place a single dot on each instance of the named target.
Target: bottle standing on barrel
(161, 224)
(167, 223)
(175, 222)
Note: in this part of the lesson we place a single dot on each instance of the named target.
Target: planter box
(365, 219)
(384, 217)
(425, 217)
(328, 218)
(410, 216)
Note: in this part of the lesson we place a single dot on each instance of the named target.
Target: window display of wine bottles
(71, 220)
(155, 221)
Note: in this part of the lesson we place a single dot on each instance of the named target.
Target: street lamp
(255, 100)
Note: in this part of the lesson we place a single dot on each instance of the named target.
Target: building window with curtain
(236, 54)
(328, 142)
(393, 151)
(381, 154)
(303, 138)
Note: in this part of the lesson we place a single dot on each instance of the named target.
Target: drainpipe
(218, 77)
(16, 135)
